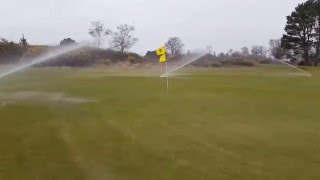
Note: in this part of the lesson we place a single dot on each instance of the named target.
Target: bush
(79, 58)
(265, 61)
(10, 52)
(238, 62)
(34, 51)
(132, 60)
(206, 61)
(87, 56)
(151, 56)
(215, 64)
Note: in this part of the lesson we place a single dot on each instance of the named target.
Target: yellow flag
(163, 58)
(161, 51)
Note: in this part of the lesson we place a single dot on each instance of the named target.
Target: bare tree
(122, 39)
(23, 41)
(209, 49)
(245, 51)
(175, 45)
(97, 31)
(259, 51)
(3, 40)
(230, 52)
(275, 48)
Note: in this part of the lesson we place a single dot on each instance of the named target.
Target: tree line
(122, 39)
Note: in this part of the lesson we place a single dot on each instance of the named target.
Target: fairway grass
(219, 123)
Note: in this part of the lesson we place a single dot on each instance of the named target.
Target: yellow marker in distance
(163, 58)
(162, 53)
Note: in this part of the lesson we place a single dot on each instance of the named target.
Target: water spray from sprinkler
(185, 63)
(57, 52)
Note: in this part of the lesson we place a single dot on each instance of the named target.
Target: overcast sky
(223, 24)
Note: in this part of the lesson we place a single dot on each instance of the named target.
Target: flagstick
(167, 76)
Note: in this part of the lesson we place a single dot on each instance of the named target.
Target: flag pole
(167, 76)
(163, 59)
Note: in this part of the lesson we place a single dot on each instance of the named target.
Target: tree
(245, 51)
(222, 56)
(97, 31)
(317, 30)
(317, 43)
(175, 45)
(299, 30)
(230, 52)
(23, 41)
(275, 48)
(236, 54)
(258, 51)
(67, 41)
(209, 49)
(152, 55)
(10, 52)
(122, 38)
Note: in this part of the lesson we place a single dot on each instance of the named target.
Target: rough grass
(247, 123)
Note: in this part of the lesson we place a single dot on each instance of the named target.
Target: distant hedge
(238, 62)
(10, 52)
(89, 56)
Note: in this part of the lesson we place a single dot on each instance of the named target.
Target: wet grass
(248, 123)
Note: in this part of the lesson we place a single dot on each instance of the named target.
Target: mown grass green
(247, 123)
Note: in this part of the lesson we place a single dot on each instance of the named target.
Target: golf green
(113, 123)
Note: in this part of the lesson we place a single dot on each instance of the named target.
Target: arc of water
(304, 72)
(181, 66)
(42, 58)
(193, 60)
